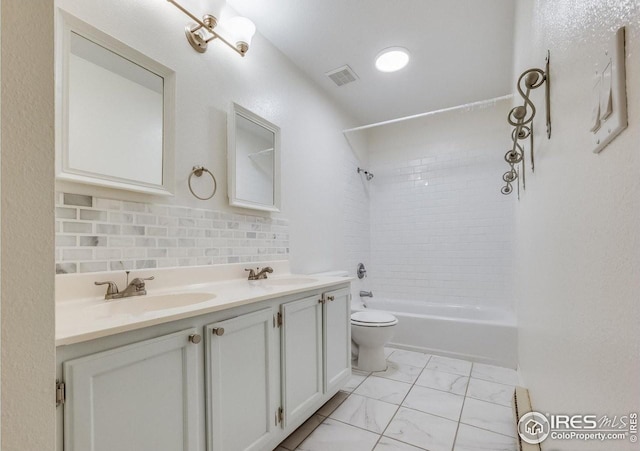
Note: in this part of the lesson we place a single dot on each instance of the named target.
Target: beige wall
(28, 354)
(578, 223)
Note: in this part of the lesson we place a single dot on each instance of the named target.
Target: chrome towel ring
(197, 171)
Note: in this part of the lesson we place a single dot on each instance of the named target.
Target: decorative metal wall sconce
(521, 118)
(240, 30)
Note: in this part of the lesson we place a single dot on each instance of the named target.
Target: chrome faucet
(366, 294)
(135, 288)
(258, 273)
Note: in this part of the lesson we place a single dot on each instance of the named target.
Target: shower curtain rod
(431, 113)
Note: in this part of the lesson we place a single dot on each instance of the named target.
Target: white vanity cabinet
(337, 338)
(240, 379)
(241, 382)
(301, 357)
(142, 396)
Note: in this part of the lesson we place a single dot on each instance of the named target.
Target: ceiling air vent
(342, 75)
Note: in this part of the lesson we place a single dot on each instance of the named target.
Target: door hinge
(279, 415)
(279, 319)
(61, 393)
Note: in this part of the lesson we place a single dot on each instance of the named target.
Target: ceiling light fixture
(240, 29)
(392, 59)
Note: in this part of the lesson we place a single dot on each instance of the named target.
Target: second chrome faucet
(135, 288)
(258, 273)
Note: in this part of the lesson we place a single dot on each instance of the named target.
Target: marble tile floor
(421, 402)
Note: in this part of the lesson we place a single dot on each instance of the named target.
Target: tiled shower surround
(96, 234)
(441, 231)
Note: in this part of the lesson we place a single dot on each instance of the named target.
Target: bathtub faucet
(366, 294)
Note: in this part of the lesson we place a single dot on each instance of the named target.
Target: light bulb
(241, 30)
(212, 7)
(392, 59)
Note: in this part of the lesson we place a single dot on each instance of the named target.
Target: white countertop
(82, 314)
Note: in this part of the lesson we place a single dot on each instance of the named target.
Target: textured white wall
(266, 82)
(26, 257)
(357, 224)
(440, 229)
(577, 224)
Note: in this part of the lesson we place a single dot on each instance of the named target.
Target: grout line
(354, 426)
(489, 430)
(396, 412)
(432, 414)
(455, 437)
(378, 441)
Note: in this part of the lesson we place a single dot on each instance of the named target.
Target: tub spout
(366, 294)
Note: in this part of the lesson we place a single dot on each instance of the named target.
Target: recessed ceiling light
(392, 59)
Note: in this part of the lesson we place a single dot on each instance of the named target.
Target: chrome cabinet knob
(195, 338)
(218, 331)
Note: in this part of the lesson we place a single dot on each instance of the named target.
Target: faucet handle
(252, 273)
(111, 289)
(139, 281)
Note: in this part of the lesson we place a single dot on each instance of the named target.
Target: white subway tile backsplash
(117, 217)
(95, 234)
(65, 268)
(92, 266)
(146, 219)
(91, 241)
(108, 229)
(76, 227)
(77, 254)
(66, 241)
(108, 254)
(77, 199)
(142, 264)
(93, 215)
(66, 213)
(157, 253)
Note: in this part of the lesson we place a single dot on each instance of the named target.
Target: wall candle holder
(521, 118)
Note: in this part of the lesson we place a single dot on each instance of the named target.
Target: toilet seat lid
(373, 318)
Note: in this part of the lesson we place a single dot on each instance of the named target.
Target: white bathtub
(475, 333)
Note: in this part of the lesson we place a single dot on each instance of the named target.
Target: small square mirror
(254, 161)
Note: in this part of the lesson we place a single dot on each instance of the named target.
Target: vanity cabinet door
(140, 397)
(337, 338)
(301, 357)
(241, 379)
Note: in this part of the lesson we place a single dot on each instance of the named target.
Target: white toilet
(371, 330)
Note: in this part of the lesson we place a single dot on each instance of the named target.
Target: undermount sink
(285, 281)
(136, 305)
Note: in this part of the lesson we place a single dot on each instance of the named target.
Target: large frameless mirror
(254, 161)
(114, 112)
